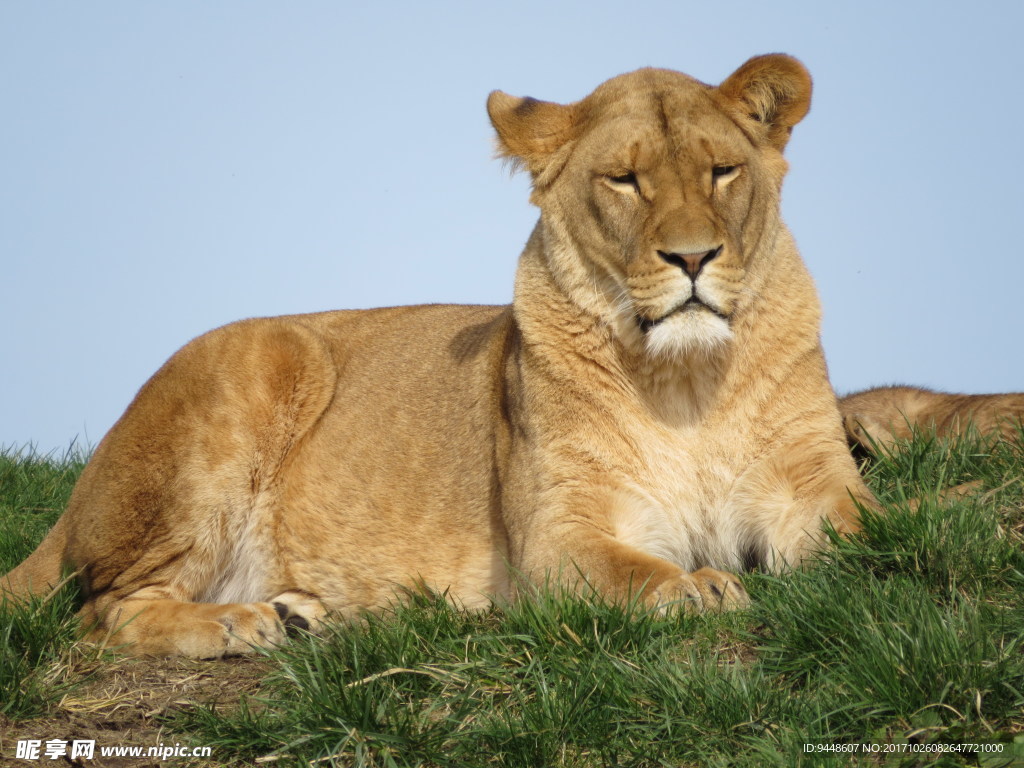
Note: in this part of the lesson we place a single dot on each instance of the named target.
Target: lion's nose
(691, 263)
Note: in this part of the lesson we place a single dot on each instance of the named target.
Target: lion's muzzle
(691, 263)
(692, 304)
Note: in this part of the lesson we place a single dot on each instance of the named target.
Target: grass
(35, 640)
(907, 637)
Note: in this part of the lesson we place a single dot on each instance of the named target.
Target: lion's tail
(42, 570)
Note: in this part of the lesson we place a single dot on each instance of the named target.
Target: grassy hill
(897, 648)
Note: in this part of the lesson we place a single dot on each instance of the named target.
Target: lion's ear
(530, 131)
(774, 90)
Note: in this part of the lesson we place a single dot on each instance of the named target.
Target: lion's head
(659, 193)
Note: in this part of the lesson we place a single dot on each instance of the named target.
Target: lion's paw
(702, 591)
(196, 630)
(299, 610)
(248, 626)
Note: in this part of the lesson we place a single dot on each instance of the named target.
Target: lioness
(650, 414)
(876, 418)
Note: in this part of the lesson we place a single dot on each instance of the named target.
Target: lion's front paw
(701, 591)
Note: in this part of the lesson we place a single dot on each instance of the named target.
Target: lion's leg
(581, 542)
(787, 499)
(618, 569)
(169, 627)
(150, 623)
(176, 521)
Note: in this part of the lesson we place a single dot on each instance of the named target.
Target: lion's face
(657, 193)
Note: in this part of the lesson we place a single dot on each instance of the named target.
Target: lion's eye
(627, 179)
(722, 175)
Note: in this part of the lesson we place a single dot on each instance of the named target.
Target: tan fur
(876, 418)
(600, 428)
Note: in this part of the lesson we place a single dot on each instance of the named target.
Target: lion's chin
(688, 333)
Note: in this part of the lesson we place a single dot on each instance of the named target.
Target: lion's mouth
(692, 304)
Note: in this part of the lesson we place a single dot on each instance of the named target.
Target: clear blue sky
(169, 167)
